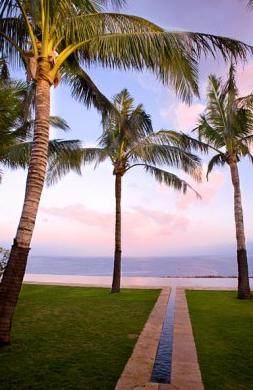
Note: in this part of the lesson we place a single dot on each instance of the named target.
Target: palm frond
(17, 155)
(217, 160)
(168, 155)
(63, 157)
(58, 123)
(214, 44)
(58, 147)
(161, 52)
(11, 104)
(95, 155)
(208, 132)
(14, 40)
(215, 111)
(63, 162)
(169, 179)
(83, 89)
(181, 140)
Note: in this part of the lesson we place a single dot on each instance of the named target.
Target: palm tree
(226, 128)
(128, 141)
(51, 38)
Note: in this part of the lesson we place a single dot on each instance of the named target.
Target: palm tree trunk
(117, 252)
(13, 276)
(243, 274)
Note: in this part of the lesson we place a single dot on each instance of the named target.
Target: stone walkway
(185, 373)
(185, 367)
(137, 372)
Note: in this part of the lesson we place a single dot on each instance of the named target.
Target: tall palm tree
(226, 129)
(52, 38)
(128, 141)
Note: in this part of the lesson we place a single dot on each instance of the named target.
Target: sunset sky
(76, 216)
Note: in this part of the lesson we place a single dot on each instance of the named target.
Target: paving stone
(185, 373)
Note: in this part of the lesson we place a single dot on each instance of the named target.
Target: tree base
(244, 295)
(10, 288)
(243, 276)
(115, 290)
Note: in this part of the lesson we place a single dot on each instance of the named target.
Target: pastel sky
(76, 216)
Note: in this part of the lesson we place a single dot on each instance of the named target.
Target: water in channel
(162, 366)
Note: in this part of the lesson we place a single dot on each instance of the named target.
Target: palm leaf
(83, 88)
(16, 156)
(168, 155)
(218, 159)
(169, 179)
(95, 155)
(64, 156)
(208, 43)
(170, 60)
(58, 123)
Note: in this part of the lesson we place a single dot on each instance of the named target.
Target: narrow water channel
(163, 362)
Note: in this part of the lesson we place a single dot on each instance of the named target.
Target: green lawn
(73, 338)
(223, 330)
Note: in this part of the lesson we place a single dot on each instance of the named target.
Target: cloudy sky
(77, 215)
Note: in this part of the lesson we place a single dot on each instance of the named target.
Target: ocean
(183, 266)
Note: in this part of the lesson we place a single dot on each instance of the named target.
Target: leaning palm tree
(128, 141)
(52, 38)
(226, 129)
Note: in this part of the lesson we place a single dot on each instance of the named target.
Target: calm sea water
(137, 266)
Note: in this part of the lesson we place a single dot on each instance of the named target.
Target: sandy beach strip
(141, 282)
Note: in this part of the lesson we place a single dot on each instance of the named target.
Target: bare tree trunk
(13, 276)
(243, 274)
(117, 252)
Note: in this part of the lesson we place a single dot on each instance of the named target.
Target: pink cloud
(183, 117)
(245, 79)
(187, 116)
(139, 226)
(207, 190)
(154, 221)
(81, 214)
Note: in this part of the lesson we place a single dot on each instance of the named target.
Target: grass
(223, 330)
(73, 338)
